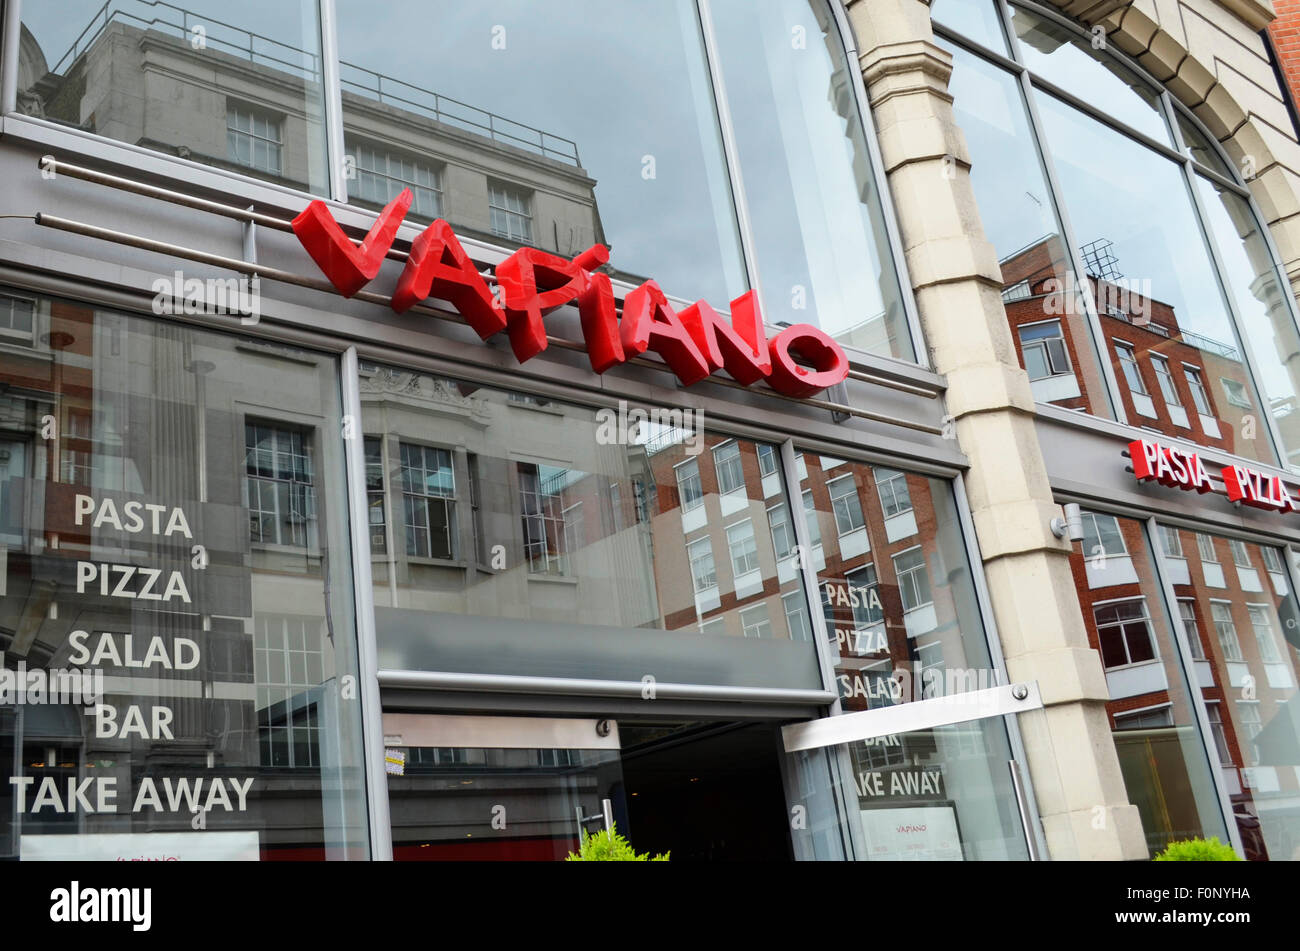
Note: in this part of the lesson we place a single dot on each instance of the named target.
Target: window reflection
(1157, 295)
(235, 84)
(1041, 293)
(818, 225)
(546, 538)
(1159, 746)
(170, 520)
(977, 19)
(553, 131)
(1060, 56)
(1236, 599)
(1265, 306)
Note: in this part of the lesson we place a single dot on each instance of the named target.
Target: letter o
(813, 346)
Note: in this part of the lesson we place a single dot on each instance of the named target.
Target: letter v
(348, 267)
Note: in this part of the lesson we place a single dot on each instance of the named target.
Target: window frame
(881, 484)
(234, 109)
(307, 518)
(1119, 533)
(724, 486)
(861, 519)
(1041, 343)
(698, 498)
(1123, 347)
(741, 565)
(1122, 623)
(1196, 383)
(1183, 135)
(352, 149)
(549, 516)
(924, 571)
(1231, 648)
(1165, 379)
(422, 499)
(508, 191)
(1191, 628)
(692, 560)
(18, 337)
(1267, 636)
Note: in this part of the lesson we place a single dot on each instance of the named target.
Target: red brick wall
(1285, 34)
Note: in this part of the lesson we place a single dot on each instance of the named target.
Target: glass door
(480, 788)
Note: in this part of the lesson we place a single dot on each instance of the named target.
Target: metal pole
(381, 830)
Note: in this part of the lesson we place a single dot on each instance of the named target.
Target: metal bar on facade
(286, 277)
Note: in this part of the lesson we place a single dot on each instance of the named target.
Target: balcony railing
(262, 50)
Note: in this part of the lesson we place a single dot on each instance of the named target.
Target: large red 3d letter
(600, 324)
(812, 346)
(740, 349)
(348, 267)
(650, 323)
(439, 267)
(534, 283)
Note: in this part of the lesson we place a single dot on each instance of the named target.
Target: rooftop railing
(261, 50)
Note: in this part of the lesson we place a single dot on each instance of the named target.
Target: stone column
(958, 285)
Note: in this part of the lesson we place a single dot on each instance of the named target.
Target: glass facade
(642, 160)
(899, 603)
(1124, 234)
(553, 540)
(715, 147)
(234, 85)
(1199, 687)
(180, 659)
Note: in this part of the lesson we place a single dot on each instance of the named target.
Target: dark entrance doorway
(705, 791)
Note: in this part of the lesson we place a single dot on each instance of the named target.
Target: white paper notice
(916, 833)
(141, 847)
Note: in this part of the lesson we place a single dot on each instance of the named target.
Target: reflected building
(231, 99)
(1172, 380)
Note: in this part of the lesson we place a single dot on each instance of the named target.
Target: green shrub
(609, 846)
(1198, 850)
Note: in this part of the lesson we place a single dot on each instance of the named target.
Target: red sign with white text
(799, 361)
(1181, 469)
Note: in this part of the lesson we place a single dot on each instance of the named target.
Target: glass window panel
(974, 19)
(634, 162)
(731, 475)
(818, 223)
(1265, 305)
(1019, 217)
(1062, 57)
(244, 713)
(544, 577)
(905, 625)
(1143, 246)
(1199, 147)
(130, 70)
(885, 592)
(1249, 682)
(1163, 757)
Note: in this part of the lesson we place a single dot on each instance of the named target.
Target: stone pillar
(958, 285)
